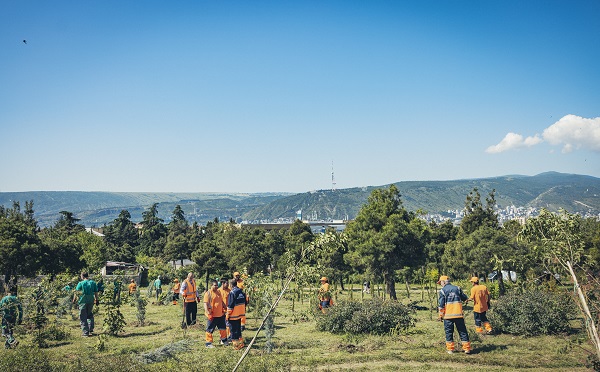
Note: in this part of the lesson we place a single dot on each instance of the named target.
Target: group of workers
(450, 308)
(225, 308)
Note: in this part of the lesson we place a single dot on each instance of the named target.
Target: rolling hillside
(575, 193)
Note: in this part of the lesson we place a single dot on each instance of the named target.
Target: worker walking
(176, 288)
(236, 308)
(214, 309)
(324, 295)
(481, 303)
(12, 313)
(89, 295)
(451, 312)
(189, 293)
(158, 287)
(132, 287)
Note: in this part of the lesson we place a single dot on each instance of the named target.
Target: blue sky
(257, 96)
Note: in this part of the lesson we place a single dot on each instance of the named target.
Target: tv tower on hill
(332, 178)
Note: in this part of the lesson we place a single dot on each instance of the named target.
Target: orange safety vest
(177, 287)
(481, 297)
(189, 294)
(214, 303)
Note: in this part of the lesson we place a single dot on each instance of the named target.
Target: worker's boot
(479, 329)
(450, 347)
(488, 327)
(466, 346)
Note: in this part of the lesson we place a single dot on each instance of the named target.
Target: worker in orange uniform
(214, 309)
(189, 293)
(224, 290)
(236, 308)
(324, 295)
(176, 288)
(481, 303)
(240, 283)
(132, 287)
(451, 312)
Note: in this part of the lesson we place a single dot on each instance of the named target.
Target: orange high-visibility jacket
(224, 294)
(214, 303)
(481, 298)
(236, 304)
(189, 290)
(177, 287)
(450, 302)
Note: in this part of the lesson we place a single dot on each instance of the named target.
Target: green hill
(575, 193)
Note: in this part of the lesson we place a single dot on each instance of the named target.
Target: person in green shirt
(88, 290)
(10, 306)
(158, 287)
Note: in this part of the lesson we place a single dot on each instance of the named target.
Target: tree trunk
(390, 286)
(501, 288)
(407, 288)
(589, 324)
(342, 282)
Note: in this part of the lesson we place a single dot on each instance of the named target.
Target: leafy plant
(533, 313)
(373, 316)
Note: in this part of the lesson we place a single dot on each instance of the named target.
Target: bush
(533, 313)
(373, 316)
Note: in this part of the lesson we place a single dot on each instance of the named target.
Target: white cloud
(513, 141)
(574, 132)
(571, 131)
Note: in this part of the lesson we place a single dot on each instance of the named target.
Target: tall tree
(329, 250)
(122, 231)
(153, 235)
(20, 246)
(476, 214)
(177, 246)
(385, 237)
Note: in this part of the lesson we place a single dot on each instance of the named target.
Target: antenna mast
(332, 178)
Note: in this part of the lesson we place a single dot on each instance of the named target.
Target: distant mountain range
(551, 190)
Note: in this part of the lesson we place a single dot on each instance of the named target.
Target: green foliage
(374, 316)
(533, 313)
(114, 321)
(140, 304)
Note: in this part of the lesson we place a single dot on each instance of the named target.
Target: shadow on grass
(135, 334)
(488, 348)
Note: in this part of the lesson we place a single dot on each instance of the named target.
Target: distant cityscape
(509, 213)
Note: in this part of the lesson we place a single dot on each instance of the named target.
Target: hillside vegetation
(574, 193)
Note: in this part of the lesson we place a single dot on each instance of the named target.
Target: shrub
(373, 316)
(533, 313)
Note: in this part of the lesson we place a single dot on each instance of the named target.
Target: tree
(476, 215)
(385, 237)
(177, 246)
(122, 231)
(329, 250)
(153, 234)
(20, 246)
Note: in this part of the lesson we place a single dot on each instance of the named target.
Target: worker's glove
(440, 318)
(210, 317)
(243, 328)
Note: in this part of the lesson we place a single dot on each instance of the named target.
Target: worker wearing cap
(481, 303)
(240, 284)
(176, 288)
(324, 295)
(236, 309)
(451, 312)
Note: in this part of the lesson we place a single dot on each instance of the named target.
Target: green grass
(299, 347)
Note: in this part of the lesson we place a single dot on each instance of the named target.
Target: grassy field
(298, 346)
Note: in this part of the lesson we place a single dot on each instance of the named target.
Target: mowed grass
(298, 345)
